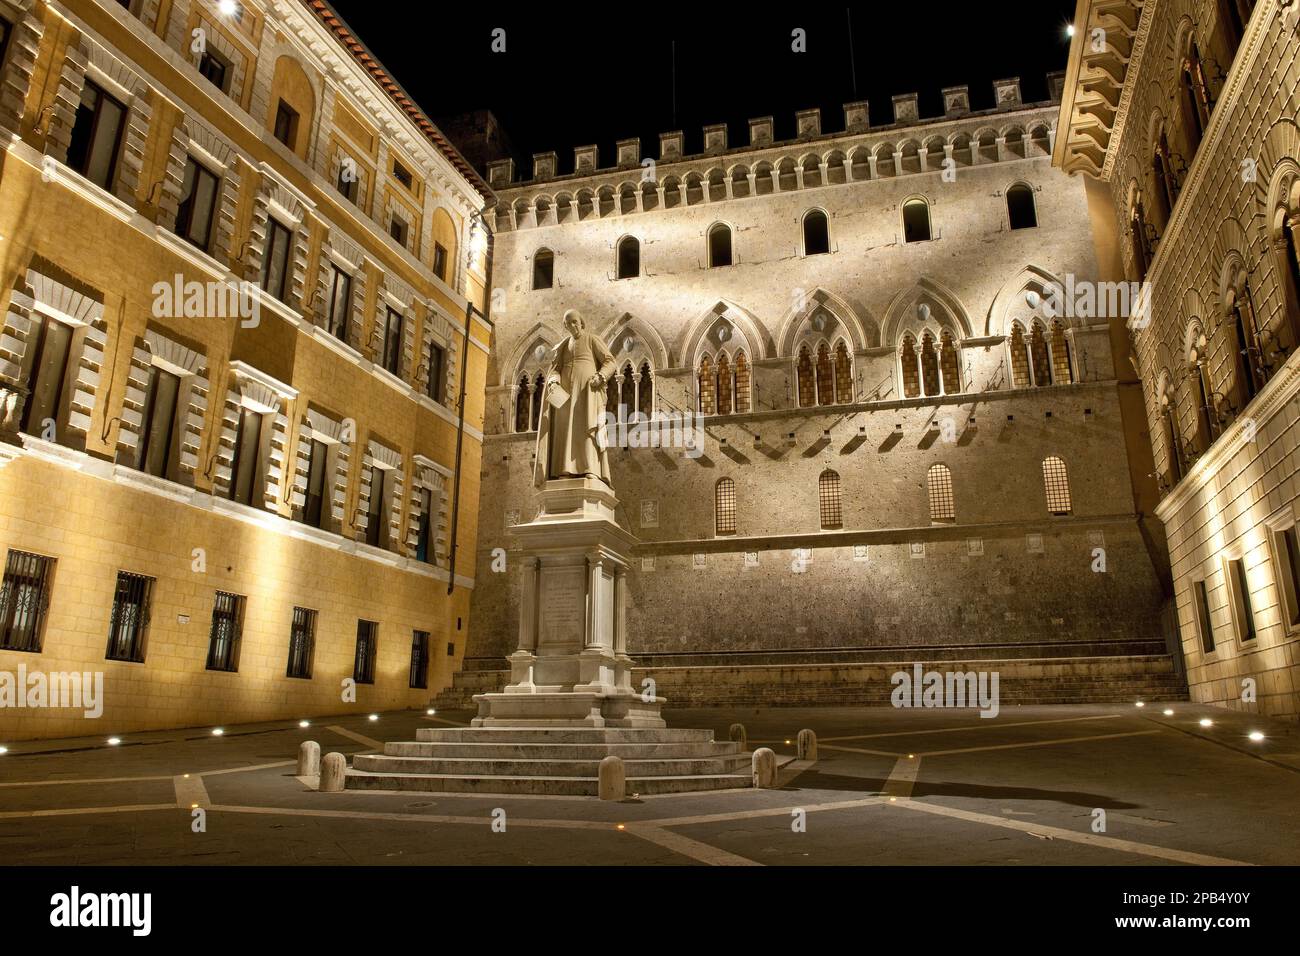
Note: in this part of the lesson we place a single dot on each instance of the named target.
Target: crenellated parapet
(808, 129)
(961, 138)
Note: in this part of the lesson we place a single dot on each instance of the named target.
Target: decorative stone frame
(439, 330)
(363, 174)
(377, 455)
(41, 295)
(413, 222)
(315, 425)
(524, 363)
(255, 390)
(194, 137)
(397, 295)
(275, 198)
(215, 39)
(339, 251)
(428, 474)
(19, 65)
(155, 349)
(89, 60)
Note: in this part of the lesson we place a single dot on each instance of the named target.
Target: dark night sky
(594, 75)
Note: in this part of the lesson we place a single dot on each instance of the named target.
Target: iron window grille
(227, 626)
(24, 601)
(130, 620)
(942, 504)
(828, 493)
(725, 506)
(1056, 483)
(302, 643)
(419, 660)
(363, 667)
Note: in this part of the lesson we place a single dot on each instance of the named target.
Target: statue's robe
(567, 442)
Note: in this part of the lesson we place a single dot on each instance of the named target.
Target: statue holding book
(569, 439)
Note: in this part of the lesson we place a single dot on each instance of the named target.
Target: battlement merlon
(857, 119)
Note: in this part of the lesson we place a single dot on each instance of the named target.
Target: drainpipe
(460, 424)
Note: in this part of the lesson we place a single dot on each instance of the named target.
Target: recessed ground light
(374, 716)
(217, 731)
(304, 723)
(1169, 711)
(1255, 735)
(1206, 722)
(114, 741)
(430, 711)
(1140, 704)
(893, 799)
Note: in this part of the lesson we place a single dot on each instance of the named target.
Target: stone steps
(548, 766)
(560, 762)
(542, 751)
(549, 786)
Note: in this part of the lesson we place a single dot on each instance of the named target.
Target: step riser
(560, 751)
(566, 735)
(542, 785)
(548, 768)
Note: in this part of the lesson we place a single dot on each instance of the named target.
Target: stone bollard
(807, 745)
(309, 759)
(737, 733)
(764, 764)
(332, 769)
(613, 781)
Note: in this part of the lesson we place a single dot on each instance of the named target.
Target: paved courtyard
(891, 787)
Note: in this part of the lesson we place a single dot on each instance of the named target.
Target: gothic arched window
(705, 385)
(806, 381)
(911, 370)
(929, 366)
(949, 364)
(843, 375)
(825, 376)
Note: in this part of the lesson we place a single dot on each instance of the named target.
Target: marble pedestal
(572, 667)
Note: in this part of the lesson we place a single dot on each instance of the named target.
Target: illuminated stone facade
(1182, 115)
(237, 275)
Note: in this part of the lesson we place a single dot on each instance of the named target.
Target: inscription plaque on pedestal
(564, 619)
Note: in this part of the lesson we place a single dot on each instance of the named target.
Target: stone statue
(568, 441)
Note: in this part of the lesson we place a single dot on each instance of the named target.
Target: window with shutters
(96, 140)
(158, 434)
(198, 203)
(276, 259)
(377, 516)
(47, 380)
(250, 458)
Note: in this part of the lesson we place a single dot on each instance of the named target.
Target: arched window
(705, 385)
(1059, 346)
(911, 370)
(1162, 168)
(843, 375)
(828, 496)
(1195, 97)
(1020, 207)
(742, 384)
(1019, 357)
(1173, 444)
(949, 364)
(543, 269)
(539, 399)
(816, 233)
(627, 392)
(1137, 229)
(629, 257)
(916, 220)
(725, 385)
(1249, 371)
(806, 381)
(1206, 419)
(523, 405)
(724, 507)
(1041, 361)
(645, 402)
(929, 366)
(938, 484)
(719, 245)
(1056, 484)
(825, 376)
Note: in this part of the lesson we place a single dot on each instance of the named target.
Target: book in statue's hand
(557, 396)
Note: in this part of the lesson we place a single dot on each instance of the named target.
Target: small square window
(451, 649)
(440, 261)
(402, 175)
(286, 124)
(398, 229)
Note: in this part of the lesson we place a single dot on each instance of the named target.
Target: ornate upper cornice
(1109, 39)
